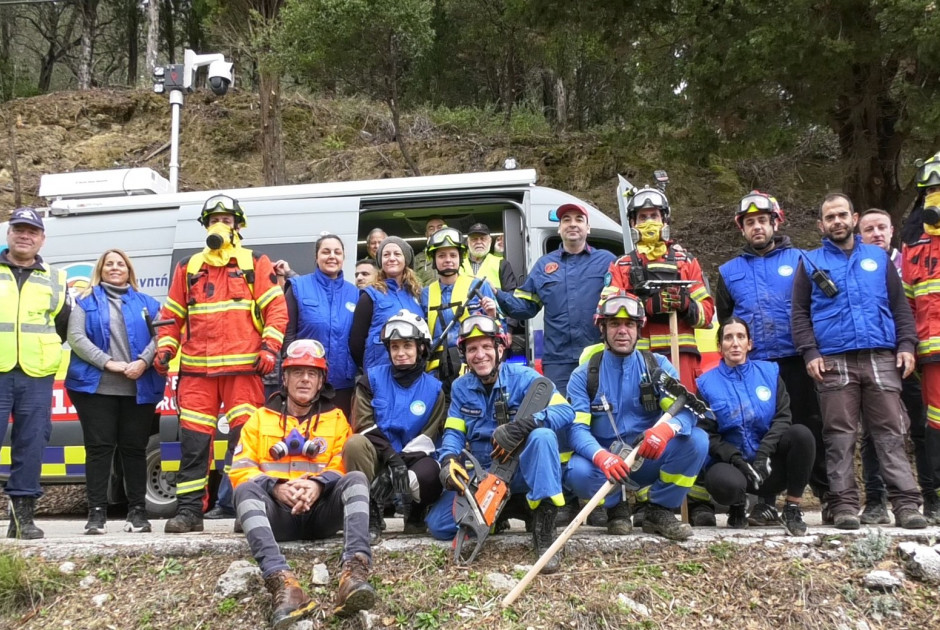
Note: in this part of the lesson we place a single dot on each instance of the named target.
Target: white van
(157, 230)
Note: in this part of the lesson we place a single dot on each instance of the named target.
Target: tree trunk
(14, 169)
(46, 66)
(272, 146)
(153, 39)
(169, 33)
(561, 103)
(132, 26)
(6, 34)
(89, 9)
(400, 137)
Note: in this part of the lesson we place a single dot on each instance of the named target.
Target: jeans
(29, 400)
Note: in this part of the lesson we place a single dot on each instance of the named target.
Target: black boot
(376, 523)
(543, 534)
(21, 519)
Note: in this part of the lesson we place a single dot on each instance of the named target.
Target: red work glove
(674, 299)
(612, 465)
(266, 361)
(161, 361)
(655, 440)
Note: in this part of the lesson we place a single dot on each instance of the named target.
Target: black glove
(399, 476)
(753, 479)
(381, 489)
(762, 467)
(510, 436)
(453, 475)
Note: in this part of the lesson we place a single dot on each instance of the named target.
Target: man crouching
(290, 485)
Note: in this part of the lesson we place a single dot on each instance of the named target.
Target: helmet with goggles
(446, 237)
(928, 172)
(648, 198)
(756, 202)
(305, 353)
(619, 304)
(477, 326)
(222, 204)
(406, 325)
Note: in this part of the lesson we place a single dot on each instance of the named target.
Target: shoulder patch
(551, 267)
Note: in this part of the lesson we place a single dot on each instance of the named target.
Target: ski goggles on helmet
(928, 175)
(305, 353)
(621, 306)
(756, 202)
(399, 329)
(445, 237)
(479, 326)
(649, 198)
(220, 203)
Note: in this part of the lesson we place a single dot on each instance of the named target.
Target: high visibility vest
(27, 320)
(489, 269)
(458, 296)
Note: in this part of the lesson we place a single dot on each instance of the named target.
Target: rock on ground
(881, 580)
(240, 578)
(921, 561)
(501, 581)
(638, 608)
(320, 576)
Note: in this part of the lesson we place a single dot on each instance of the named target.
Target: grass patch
(871, 549)
(26, 584)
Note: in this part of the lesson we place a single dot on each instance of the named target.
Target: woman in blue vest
(113, 386)
(320, 306)
(753, 445)
(398, 417)
(396, 288)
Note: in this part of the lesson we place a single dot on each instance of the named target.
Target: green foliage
(170, 566)
(227, 606)
(429, 620)
(870, 549)
(722, 550)
(26, 583)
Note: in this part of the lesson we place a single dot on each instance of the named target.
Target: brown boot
(355, 593)
(290, 601)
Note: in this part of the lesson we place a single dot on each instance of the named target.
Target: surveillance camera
(220, 77)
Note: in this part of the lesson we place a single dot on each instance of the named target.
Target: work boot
(599, 518)
(569, 510)
(354, 592)
(875, 512)
(702, 514)
(97, 519)
(793, 519)
(737, 516)
(289, 599)
(184, 522)
(639, 512)
(21, 519)
(414, 520)
(932, 508)
(825, 513)
(909, 518)
(763, 514)
(660, 520)
(543, 534)
(219, 512)
(137, 521)
(618, 519)
(845, 520)
(376, 523)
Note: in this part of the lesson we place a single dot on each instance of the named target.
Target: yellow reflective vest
(27, 320)
(489, 269)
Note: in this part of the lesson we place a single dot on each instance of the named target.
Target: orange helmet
(305, 353)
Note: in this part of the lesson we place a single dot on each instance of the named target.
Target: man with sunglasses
(227, 319)
(757, 286)
(482, 420)
(289, 485)
(656, 257)
(623, 408)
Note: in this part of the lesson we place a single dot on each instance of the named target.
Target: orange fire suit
(677, 264)
(920, 273)
(221, 317)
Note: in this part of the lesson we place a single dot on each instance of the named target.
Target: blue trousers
(670, 477)
(559, 373)
(29, 400)
(538, 476)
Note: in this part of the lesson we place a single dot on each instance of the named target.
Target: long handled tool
(631, 461)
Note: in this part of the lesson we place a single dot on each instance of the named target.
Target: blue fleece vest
(401, 412)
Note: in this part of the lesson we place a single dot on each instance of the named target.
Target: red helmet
(619, 303)
(481, 326)
(756, 202)
(305, 353)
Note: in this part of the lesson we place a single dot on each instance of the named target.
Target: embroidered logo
(418, 407)
(763, 393)
(785, 270)
(869, 265)
(551, 267)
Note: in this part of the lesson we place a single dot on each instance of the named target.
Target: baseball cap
(570, 207)
(478, 228)
(27, 216)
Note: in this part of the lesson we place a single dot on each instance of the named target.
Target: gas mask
(296, 444)
(219, 235)
(932, 210)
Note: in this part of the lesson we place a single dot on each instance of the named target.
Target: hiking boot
(793, 519)
(702, 514)
(21, 519)
(909, 518)
(569, 510)
(599, 516)
(288, 597)
(932, 508)
(737, 516)
(618, 519)
(219, 512)
(184, 522)
(845, 520)
(875, 513)
(354, 592)
(825, 514)
(238, 529)
(661, 520)
(543, 534)
(97, 517)
(763, 514)
(414, 521)
(639, 513)
(137, 521)
(376, 523)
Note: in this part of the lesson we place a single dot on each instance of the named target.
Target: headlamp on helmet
(222, 204)
(756, 202)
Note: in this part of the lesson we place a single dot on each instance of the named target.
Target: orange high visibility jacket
(265, 428)
(222, 315)
(920, 273)
(677, 264)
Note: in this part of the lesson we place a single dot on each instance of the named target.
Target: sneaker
(845, 520)
(219, 512)
(97, 519)
(737, 516)
(763, 515)
(909, 518)
(660, 520)
(875, 513)
(793, 519)
(137, 521)
(184, 522)
(702, 514)
(618, 519)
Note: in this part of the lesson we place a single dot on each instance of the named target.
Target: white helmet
(406, 325)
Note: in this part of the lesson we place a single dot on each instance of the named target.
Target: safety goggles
(622, 306)
(305, 348)
(756, 203)
(445, 237)
(220, 203)
(929, 175)
(401, 330)
(481, 324)
(649, 198)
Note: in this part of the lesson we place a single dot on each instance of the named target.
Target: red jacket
(920, 273)
(213, 327)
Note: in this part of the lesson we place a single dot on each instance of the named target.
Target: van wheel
(161, 486)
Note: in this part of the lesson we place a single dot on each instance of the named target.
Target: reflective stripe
(168, 342)
(933, 417)
(557, 399)
(227, 360)
(582, 417)
(643, 494)
(307, 467)
(172, 306)
(245, 409)
(270, 332)
(39, 329)
(699, 493)
(928, 346)
(525, 295)
(7, 327)
(195, 417)
(219, 307)
(188, 487)
(269, 296)
(457, 424)
(244, 463)
(683, 481)
(908, 291)
(566, 456)
(926, 287)
(557, 499)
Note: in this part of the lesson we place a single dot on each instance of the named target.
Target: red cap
(570, 207)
